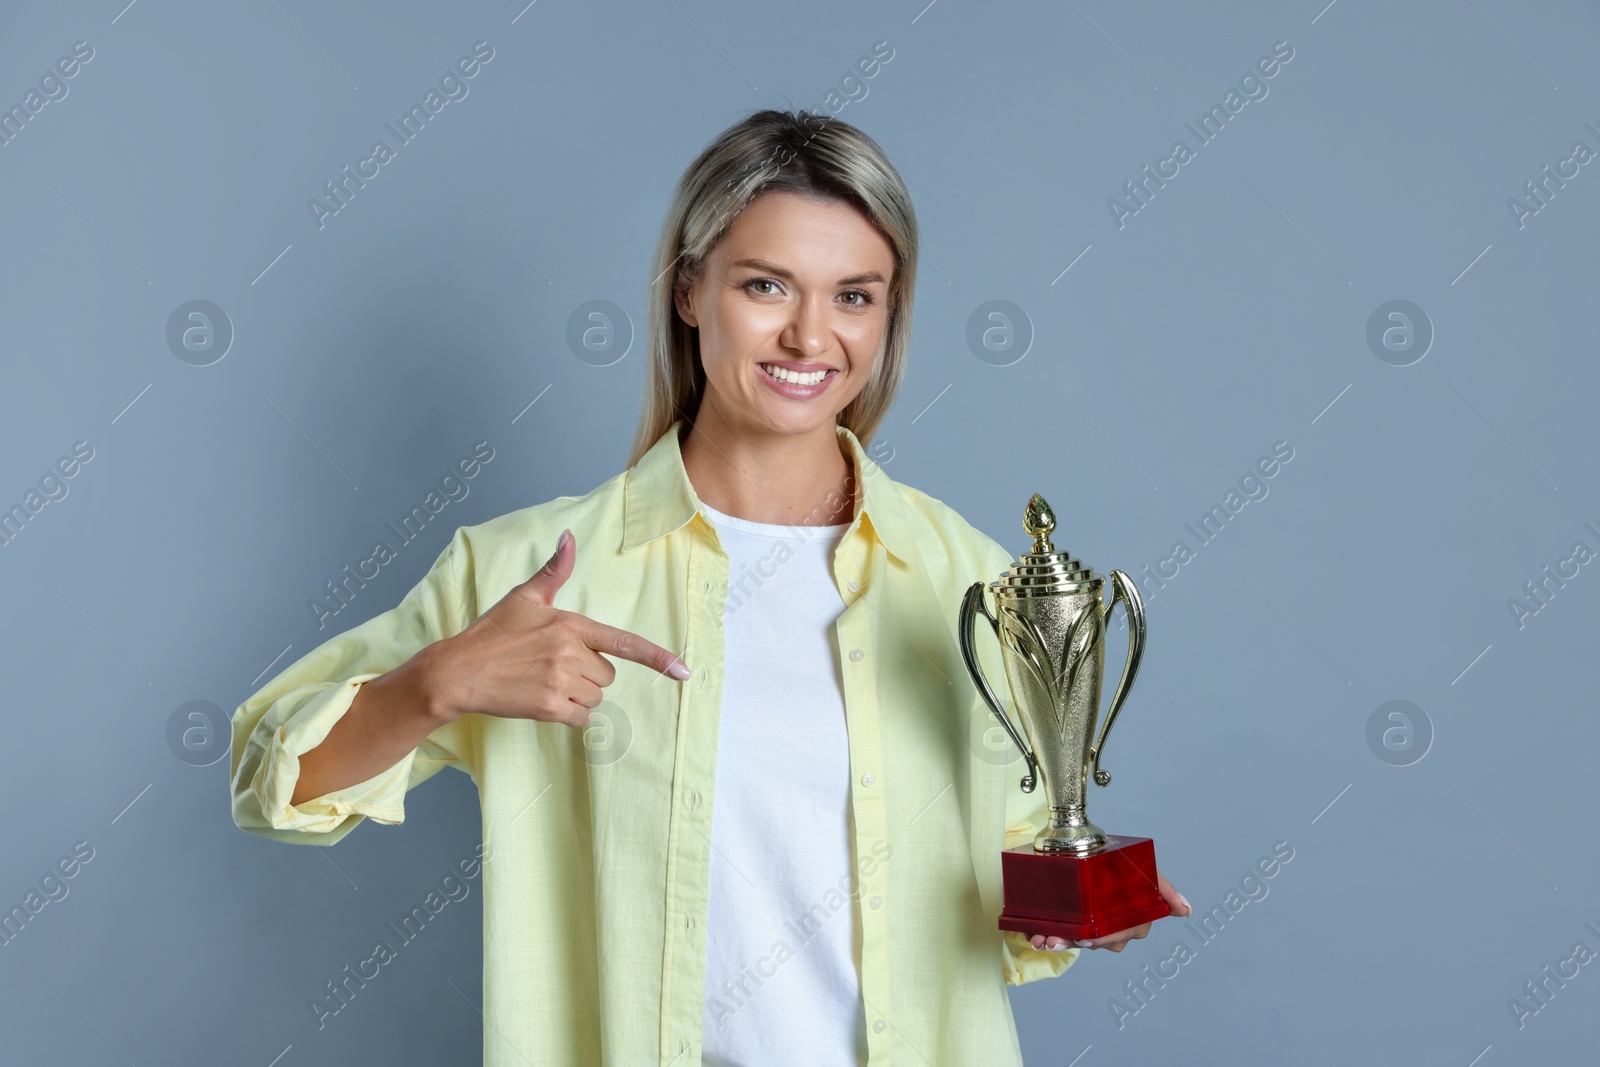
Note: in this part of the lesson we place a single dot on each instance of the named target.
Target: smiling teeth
(794, 377)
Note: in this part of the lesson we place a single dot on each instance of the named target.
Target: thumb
(549, 578)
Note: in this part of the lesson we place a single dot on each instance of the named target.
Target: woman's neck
(790, 479)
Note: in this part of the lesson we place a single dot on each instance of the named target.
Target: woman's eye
(853, 297)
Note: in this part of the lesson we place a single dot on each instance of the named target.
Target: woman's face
(791, 309)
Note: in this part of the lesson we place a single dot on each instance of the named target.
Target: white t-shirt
(782, 982)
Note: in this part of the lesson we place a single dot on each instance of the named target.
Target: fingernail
(561, 542)
(1083, 944)
(679, 670)
(1185, 902)
(1058, 948)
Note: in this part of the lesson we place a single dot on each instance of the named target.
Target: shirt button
(855, 586)
(868, 778)
(688, 922)
(878, 1026)
(694, 798)
(708, 585)
(856, 654)
(876, 902)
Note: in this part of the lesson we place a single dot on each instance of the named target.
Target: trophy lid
(1043, 571)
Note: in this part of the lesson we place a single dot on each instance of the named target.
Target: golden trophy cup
(1073, 880)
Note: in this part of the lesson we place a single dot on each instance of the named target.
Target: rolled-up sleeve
(292, 714)
(1020, 961)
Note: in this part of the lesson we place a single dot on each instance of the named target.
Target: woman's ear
(680, 298)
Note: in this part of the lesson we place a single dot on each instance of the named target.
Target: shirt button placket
(855, 633)
(705, 627)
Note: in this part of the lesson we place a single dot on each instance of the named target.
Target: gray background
(1229, 314)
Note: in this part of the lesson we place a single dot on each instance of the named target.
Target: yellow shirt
(597, 841)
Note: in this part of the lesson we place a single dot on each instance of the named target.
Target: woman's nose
(808, 330)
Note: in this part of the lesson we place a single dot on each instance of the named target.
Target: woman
(781, 616)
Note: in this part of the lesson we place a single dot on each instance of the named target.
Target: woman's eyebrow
(773, 268)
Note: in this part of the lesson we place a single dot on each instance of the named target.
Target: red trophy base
(1081, 897)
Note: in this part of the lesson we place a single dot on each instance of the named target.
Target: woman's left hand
(1118, 941)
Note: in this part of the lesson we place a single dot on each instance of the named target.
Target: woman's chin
(801, 416)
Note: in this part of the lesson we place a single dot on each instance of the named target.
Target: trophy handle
(971, 604)
(1128, 593)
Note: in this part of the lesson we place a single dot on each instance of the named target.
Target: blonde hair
(801, 152)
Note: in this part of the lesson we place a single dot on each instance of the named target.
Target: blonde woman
(785, 851)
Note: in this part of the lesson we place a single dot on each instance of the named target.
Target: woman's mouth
(797, 384)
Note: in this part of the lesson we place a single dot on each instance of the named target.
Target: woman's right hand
(525, 659)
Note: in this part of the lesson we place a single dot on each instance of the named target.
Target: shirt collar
(657, 497)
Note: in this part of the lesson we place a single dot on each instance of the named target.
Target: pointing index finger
(630, 646)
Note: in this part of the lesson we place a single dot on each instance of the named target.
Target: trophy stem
(1070, 830)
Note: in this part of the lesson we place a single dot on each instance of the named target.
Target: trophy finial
(1038, 520)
